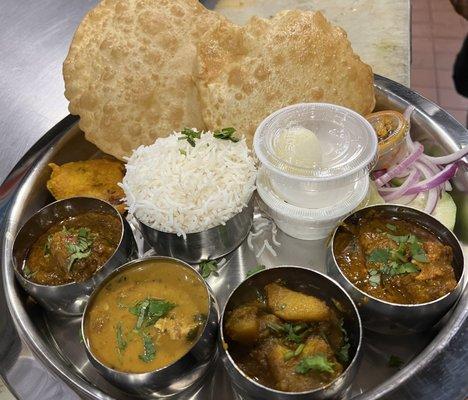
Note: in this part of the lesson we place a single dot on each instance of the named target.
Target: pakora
(92, 178)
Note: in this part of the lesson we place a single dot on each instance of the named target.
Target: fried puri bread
(91, 178)
(129, 71)
(246, 73)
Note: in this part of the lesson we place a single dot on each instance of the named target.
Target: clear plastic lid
(337, 210)
(347, 143)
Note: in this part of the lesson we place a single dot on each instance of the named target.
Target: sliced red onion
(449, 158)
(378, 173)
(432, 182)
(402, 166)
(412, 179)
(431, 203)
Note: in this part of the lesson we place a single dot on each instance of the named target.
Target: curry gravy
(147, 317)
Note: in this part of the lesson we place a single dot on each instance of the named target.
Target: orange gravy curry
(147, 317)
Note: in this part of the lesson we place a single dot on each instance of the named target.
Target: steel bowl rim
(281, 392)
(213, 228)
(128, 266)
(456, 289)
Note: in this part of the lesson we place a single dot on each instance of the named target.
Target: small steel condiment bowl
(399, 319)
(70, 298)
(307, 281)
(183, 373)
(212, 243)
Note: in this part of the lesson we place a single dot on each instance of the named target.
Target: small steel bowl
(210, 244)
(306, 281)
(400, 319)
(68, 299)
(174, 378)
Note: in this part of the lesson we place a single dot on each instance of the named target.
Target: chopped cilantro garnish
(149, 349)
(374, 280)
(317, 363)
(398, 239)
(208, 267)
(81, 248)
(379, 256)
(190, 135)
(226, 134)
(391, 227)
(27, 272)
(149, 311)
(119, 337)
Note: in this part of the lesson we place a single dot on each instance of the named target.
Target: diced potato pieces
(242, 325)
(316, 345)
(295, 306)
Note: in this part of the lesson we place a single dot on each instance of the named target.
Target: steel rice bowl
(401, 319)
(210, 244)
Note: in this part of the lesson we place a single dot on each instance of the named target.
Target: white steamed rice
(174, 187)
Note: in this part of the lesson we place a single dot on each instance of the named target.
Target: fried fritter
(91, 178)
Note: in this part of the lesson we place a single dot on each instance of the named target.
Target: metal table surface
(34, 38)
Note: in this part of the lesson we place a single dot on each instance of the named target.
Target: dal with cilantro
(73, 249)
(394, 260)
(148, 317)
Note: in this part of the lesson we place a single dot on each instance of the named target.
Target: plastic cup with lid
(315, 154)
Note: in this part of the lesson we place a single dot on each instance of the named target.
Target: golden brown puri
(92, 178)
(246, 73)
(129, 71)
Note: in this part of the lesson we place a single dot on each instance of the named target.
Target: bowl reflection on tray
(299, 291)
(151, 327)
(68, 298)
(210, 244)
(388, 317)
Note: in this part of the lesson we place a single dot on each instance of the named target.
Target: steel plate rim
(59, 367)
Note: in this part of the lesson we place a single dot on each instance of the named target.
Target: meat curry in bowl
(65, 249)
(290, 330)
(402, 267)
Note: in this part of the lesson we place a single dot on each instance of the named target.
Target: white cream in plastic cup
(308, 223)
(348, 152)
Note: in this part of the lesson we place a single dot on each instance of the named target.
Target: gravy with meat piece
(394, 260)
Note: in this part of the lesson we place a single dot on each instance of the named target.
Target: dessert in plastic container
(347, 152)
(391, 128)
(308, 223)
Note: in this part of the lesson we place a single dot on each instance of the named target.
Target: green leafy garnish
(183, 152)
(291, 354)
(398, 239)
(119, 337)
(192, 333)
(418, 253)
(47, 245)
(253, 271)
(150, 351)
(149, 311)
(226, 134)
(374, 280)
(82, 248)
(292, 332)
(379, 256)
(27, 272)
(208, 267)
(395, 361)
(343, 353)
(406, 268)
(317, 363)
(190, 135)
(391, 227)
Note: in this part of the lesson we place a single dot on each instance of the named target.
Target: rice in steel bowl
(184, 184)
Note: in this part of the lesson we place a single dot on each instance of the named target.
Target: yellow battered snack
(91, 178)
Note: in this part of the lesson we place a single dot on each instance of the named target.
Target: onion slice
(448, 159)
(412, 179)
(427, 184)
(402, 166)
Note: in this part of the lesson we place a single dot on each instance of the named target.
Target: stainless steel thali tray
(42, 357)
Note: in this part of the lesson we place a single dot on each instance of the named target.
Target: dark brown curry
(394, 260)
(73, 249)
(287, 340)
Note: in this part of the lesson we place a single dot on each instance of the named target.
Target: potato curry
(72, 250)
(148, 317)
(394, 260)
(287, 340)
